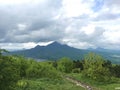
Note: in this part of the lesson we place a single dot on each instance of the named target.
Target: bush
(116, 70)
(76, 70)
(94, 68)
(9, 73)
(65, 65)
(39, 70)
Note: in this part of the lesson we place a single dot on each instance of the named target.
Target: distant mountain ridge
(55, 51)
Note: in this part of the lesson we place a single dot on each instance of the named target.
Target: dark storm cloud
(35, 17)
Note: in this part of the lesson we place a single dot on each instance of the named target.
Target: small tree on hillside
(94, 67)
(65, 65)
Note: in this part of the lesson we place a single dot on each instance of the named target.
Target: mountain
(52, 51)
(56, 50)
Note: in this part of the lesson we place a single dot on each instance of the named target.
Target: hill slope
(53, 51)
(56, 50)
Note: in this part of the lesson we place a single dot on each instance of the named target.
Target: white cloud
(88, 29)
(81, 45)
(18, 2)
(19, 46)
(112, 36)
(75, 8)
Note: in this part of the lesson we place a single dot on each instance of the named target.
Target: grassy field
(63, 84)
(113, 85)
(49, 84)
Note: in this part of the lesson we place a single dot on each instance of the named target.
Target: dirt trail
(78, 83)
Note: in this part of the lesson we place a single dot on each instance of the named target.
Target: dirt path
(78, 83)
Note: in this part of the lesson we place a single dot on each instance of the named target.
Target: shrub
(65, 65)
(76, 70)
(39, 70)
(94, 68)
(9, 73)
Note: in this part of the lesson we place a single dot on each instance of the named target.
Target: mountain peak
(37, 46)
(55, 44)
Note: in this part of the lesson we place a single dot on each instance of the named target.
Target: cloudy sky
(78, 23)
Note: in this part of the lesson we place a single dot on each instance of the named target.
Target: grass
(49, 84)
(113, 85)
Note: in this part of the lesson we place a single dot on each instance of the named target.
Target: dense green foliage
(116, 70)
(39, 70)
(65, 65)
(15, 68)
(94, 68)
(9, 73)
(19, 73)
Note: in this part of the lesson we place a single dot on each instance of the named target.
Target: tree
(65, 65)
(78, 64)
(22, 63)
(116, 70)
(94, 67)
(55, 64)
(9, 73)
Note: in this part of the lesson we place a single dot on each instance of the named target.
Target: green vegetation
(19, 73)
(48, 84)
(95, 69)
(65, 65)
(98, 73)
(96, 85)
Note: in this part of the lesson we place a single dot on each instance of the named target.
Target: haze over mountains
(55, 51)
